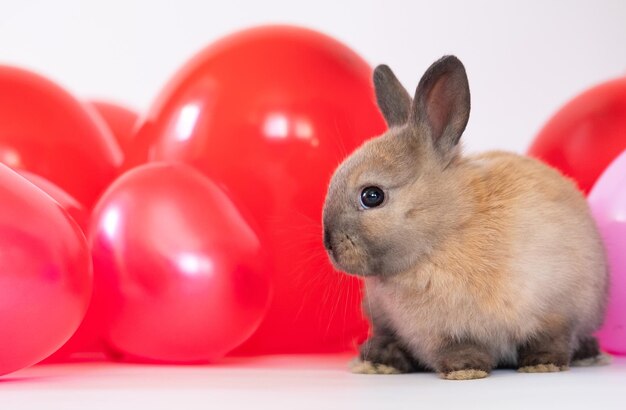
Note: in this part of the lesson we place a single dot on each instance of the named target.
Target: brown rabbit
(470, 262)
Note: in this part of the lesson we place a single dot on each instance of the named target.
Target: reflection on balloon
(186, 122)
(269, 113)
(180, 275)
(608, 204)
(45, 280)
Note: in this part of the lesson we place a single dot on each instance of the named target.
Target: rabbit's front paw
(463, 361)
(384, 355)
(467, 374)
(359, 366)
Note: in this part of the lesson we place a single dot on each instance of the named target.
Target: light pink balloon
(608, 205)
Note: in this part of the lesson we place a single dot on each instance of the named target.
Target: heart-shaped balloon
(180, 275)
(46, 131)
(45, 280)
(270, 112)
(584, 136)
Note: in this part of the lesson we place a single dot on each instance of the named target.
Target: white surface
(524, 59)
(301, 382)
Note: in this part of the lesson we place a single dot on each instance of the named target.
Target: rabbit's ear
(441, 105)
(393, 99)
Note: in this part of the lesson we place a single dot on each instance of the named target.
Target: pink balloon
(608, 205)
(46, 275)
(85, 342)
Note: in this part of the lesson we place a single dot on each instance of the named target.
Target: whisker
(369, 308)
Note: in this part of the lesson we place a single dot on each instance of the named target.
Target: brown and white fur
(471, 262)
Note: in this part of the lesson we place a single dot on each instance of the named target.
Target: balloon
(86, 338)
(76, 210)
(45, 280)
(270, 112)
(608, 205)
(121, 121)
(180, 275)
(584, 136)
(47, 132)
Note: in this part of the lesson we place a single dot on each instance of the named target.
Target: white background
(524, 58)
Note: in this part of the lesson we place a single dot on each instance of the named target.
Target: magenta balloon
(608, 205)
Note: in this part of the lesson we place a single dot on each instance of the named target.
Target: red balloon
(76, 210)
(587, 134)
(121, 121)
(46, 131)
(270, 112)
(179, 273)
(45, 280)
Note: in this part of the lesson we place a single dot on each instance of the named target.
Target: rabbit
(469, 262)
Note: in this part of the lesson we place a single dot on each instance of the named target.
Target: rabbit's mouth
(345, 254)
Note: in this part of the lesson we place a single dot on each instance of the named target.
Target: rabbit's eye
(372, 196)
